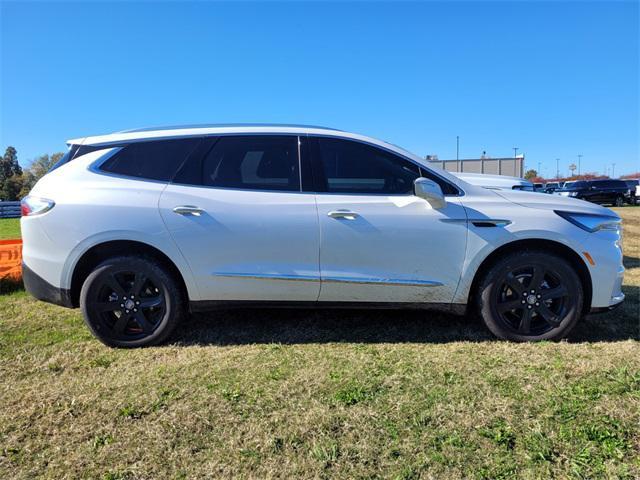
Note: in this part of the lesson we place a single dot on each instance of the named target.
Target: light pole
(539, 172)
(579, 160)
(613, 170)
(457, 153)
(557, 168)
(515, 152)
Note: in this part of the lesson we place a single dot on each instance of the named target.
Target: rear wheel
(530, 295)
(619, 201)
(131, 302)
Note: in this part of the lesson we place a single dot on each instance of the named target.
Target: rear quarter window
(154, 160)
(610, 184)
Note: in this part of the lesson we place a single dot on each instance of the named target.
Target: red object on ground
(11, 259)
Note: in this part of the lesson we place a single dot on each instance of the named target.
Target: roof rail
(223, 125)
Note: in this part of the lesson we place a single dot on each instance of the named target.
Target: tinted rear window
(156, 160)
(65, 158)
(609, 184)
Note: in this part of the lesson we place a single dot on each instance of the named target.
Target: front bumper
(43, 290)
(616, 302)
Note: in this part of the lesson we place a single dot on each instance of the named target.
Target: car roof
(223, 125)
(176, 131)
(158, 133)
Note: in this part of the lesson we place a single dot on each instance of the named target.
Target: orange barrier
(11, 259)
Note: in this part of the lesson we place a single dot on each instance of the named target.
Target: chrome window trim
(117, 146)
(120, 145)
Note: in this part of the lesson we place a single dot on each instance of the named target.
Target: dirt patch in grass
(321, 394)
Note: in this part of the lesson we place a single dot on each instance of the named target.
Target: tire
(510, 309)
(131, 301)
(618, 202)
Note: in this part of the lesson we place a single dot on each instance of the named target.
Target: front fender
(483, 241)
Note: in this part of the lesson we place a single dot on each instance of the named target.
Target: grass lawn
(324, 394)
(9, 228)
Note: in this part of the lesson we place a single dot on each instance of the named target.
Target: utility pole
(579, 160)
(557, 168)
(515, 152)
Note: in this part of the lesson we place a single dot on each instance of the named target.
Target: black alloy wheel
(131, 302)
(531, 296)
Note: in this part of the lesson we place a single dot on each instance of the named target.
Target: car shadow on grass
(631, 262)
(304, 326)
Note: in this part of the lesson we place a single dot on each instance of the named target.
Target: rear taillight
(30, 205)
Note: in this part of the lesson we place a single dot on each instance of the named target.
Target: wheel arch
(102, 251)
(536, 244)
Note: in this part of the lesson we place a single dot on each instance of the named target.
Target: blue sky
(555, 79)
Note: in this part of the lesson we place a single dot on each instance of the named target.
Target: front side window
(353, 167)
(260, 162)
(153, 160)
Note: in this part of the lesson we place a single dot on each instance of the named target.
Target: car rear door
(602, 192)
(236, 211)
(379, 242)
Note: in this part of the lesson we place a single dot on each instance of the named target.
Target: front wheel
(131, 302)
(530, 295)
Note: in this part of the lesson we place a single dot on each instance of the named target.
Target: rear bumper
(43, 290)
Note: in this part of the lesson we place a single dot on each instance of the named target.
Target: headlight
(591, 222)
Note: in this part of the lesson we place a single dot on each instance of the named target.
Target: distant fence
(9, 209)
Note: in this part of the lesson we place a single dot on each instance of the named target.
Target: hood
(553, 202)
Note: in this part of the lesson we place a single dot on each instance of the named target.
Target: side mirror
(430, 191)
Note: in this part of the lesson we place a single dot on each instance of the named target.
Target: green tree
(10, 175)
(38, 169)
(530, 174)
(11, 188)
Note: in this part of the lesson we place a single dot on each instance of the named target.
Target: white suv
(137, 228)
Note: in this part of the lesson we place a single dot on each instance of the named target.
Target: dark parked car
(614, 192)
(634, 191)
(551, 187)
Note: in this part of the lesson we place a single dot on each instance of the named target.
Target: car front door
(238, 215)
(379, 242)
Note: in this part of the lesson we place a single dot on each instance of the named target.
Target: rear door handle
(188, 210)
(346, 214)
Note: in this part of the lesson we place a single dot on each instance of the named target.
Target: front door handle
(346, 214)
(188, 210)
